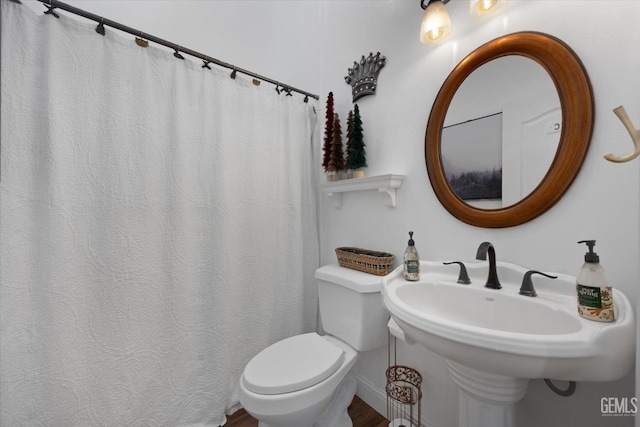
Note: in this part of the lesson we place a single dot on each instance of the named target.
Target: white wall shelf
(383, 183)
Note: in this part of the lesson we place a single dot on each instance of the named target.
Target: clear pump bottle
(411, 261)
(595, 296)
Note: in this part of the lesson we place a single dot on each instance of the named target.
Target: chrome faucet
(492, 279)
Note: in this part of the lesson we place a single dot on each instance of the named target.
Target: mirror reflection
(501, 132)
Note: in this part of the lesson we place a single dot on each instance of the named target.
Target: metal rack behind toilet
(403, 388)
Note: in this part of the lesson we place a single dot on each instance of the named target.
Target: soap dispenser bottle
(595, 296)
(411, 261)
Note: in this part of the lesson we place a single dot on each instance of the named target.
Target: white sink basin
(503, 333)
(484, 309)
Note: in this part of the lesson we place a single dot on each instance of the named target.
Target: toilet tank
(351, 306)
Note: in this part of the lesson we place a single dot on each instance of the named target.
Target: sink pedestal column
(486, 400)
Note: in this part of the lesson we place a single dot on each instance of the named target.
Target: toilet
(306, 380)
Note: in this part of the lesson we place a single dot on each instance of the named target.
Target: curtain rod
(55, 4)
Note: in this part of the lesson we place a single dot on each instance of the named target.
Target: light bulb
(481, 7)
(436, 24)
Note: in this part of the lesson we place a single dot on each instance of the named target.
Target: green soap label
(413, 266)
(589, 296)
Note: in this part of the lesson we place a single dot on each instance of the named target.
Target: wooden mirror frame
(576, 100)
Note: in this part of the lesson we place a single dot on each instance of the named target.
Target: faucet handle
(463, 277)
(527, 284)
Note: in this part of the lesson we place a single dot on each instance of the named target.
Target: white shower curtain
(158, 228)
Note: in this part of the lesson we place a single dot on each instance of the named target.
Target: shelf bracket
(337, 199)
(391, 191)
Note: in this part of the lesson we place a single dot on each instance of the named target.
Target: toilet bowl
(310, 390)
(306, 380)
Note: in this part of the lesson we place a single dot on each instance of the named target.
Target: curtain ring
(50, 9)
(100, 27)
(140, 41)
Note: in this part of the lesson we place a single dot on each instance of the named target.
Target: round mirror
(500, 136)
(509, 130)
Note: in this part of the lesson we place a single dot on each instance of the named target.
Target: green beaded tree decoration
(349, 133)
(356, 156)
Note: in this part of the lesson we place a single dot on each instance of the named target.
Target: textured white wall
(602, 203)
(310, 44)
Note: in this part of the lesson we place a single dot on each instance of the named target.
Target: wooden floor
(361, 414)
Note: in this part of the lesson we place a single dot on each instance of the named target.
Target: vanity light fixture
(436, 24)
(482, 7)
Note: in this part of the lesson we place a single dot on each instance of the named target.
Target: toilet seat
(293, 364)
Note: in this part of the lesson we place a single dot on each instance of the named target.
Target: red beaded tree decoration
(328, 133)
(336, 161)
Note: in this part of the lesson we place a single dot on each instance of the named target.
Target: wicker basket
(372, 262)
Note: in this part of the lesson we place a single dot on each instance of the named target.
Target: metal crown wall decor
(363, 77)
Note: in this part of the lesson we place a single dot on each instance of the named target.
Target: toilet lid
(292, 364)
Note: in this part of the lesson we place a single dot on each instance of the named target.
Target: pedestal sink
(495, 340)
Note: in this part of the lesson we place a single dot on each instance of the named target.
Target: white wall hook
(635, 137)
